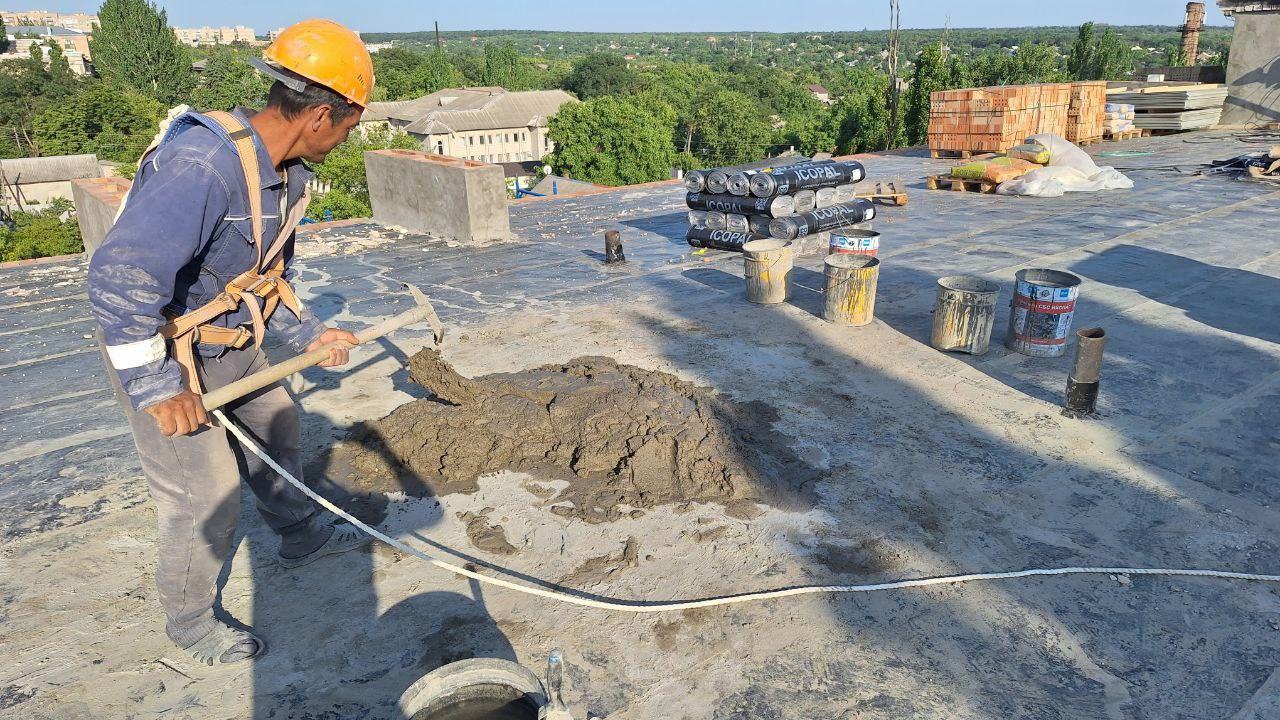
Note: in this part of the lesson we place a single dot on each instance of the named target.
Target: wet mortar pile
(624, 438)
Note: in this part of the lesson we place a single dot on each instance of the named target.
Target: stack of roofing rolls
(728, 208)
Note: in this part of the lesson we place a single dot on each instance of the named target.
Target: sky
(661, 15)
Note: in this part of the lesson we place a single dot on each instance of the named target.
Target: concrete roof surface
(934, 464)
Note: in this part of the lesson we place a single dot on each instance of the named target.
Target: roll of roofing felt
(773, 207)
(695, 181)
(822, 219)
(740, 183)
(716, 220)
(736, 222)
(810, 176)
(720, 239)
(806, 200)
(717, 181)
(697, 218)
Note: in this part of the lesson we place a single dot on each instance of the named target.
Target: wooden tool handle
(238, 389)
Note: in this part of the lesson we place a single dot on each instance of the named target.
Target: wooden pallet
(946, 182)
(1085, 142)
(951, 154)
(891, 192)
(1126, 135)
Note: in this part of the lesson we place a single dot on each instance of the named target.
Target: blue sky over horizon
(662, 15)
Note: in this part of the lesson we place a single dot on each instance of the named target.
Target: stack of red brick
(1086, 113)
(994, 119)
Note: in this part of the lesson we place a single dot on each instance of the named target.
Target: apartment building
(83, 22)
(74, 44)
(488, 124)
(196, 37)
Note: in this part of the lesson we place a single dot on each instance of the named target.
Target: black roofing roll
(723, 202)
(810, 176)
(822, 219)
(721, 239)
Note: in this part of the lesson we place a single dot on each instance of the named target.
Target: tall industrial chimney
(1191, 32)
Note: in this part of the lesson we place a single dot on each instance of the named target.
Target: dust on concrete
(625, 438)
(605, 568)
(484, 535)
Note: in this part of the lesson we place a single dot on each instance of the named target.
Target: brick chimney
(1191, 32)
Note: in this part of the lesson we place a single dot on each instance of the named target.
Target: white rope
(647, 606)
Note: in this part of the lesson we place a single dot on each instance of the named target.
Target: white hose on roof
(641, 606)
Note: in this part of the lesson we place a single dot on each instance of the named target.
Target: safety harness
(262, 287)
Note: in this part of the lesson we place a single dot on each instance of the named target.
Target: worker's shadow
(336, 642)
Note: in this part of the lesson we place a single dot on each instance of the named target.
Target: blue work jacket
(184, 233)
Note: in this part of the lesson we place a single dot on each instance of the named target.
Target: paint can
(1044, 302)
(476, 689)
(850, 295)
(854, 242)
(767, 270)
(964, 314)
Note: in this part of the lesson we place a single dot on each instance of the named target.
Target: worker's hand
(337, 353)
(181, 414)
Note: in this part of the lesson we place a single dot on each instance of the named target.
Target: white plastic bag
(1070, 169)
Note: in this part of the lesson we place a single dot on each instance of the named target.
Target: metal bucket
(964, 314)
(854, 242)
(476, 689)
(1041, 311)
(767, 270)
(850, 295)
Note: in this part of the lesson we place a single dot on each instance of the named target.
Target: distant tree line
(651, 101)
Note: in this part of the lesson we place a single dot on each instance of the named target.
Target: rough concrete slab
(936, 464)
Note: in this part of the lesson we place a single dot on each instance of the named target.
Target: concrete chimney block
(445, 197)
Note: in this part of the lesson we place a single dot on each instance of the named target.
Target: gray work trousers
(195, 483)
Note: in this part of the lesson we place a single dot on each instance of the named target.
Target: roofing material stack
(994, 119)
(1178, 107)
(1119, 119)
(728, 208)
(1085, 112)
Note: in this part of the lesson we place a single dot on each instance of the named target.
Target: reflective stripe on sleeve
(136, 354)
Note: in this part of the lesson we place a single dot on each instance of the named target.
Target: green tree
(27, 88)
(436, 73)
(343, 171)
(928, 76)
(471, 63)
(1082, 61)
(227, 81)
(599, 74)
(731, 128)
(613, 141)
(115, 124)
(41, 234)
(62, 81)
(135, 48)
(501, 66)
(394, 68)
(1114, 58)
(861, 116)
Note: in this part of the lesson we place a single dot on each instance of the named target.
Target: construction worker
(194, 272)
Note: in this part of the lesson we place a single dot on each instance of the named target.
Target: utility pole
(895, 22)
(751, 44)
(437, 34)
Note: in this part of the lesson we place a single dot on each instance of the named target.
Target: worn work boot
(342, 538)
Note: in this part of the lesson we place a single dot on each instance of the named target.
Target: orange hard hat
(328, 54)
